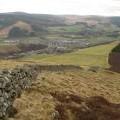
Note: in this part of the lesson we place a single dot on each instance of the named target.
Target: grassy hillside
(23, 25)
(84, 27)
(61, 33)
(43, 23)
(33, 19)
(37, 103)
(93, 56)
(115, 20)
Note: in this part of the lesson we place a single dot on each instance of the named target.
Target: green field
(83, 27)
(65, 29)
(93, 56)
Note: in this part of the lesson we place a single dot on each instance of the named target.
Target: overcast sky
(80, 7)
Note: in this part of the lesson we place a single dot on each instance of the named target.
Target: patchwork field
(91, 92)
(93, 56)
(46, 99)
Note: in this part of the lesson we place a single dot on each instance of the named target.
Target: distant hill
(31, 22)
(115, 20)
(39, 23)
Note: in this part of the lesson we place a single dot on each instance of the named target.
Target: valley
(54, 34)
(70, 55)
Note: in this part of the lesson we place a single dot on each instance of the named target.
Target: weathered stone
(1, 75)
(0, 92)
(5, 71)
(6, 95)
(2, 100)
(1, 114)
(2, 84)
(11, 85)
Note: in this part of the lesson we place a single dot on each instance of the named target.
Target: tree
(16, 32)
(116, 49)
(32, 34)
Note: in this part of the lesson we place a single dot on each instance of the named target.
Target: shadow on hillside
(73, 107)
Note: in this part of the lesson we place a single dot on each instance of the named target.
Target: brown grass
(68, 95)
(93, 108)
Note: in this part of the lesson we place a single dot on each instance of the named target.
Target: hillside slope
(70, 94)
(23, 25)
(63, 95)
(41, 22)
(93, 56)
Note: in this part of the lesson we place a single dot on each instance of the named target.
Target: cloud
(112, 8)
(81, 7)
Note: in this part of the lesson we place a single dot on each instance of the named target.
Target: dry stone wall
(60, 67)
(12, 82)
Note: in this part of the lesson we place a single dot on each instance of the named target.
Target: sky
(78, 7)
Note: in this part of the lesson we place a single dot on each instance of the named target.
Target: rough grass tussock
(73, 107)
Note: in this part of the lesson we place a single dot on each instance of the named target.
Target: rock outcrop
(114, 59)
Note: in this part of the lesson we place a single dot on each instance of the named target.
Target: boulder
(114, 59)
